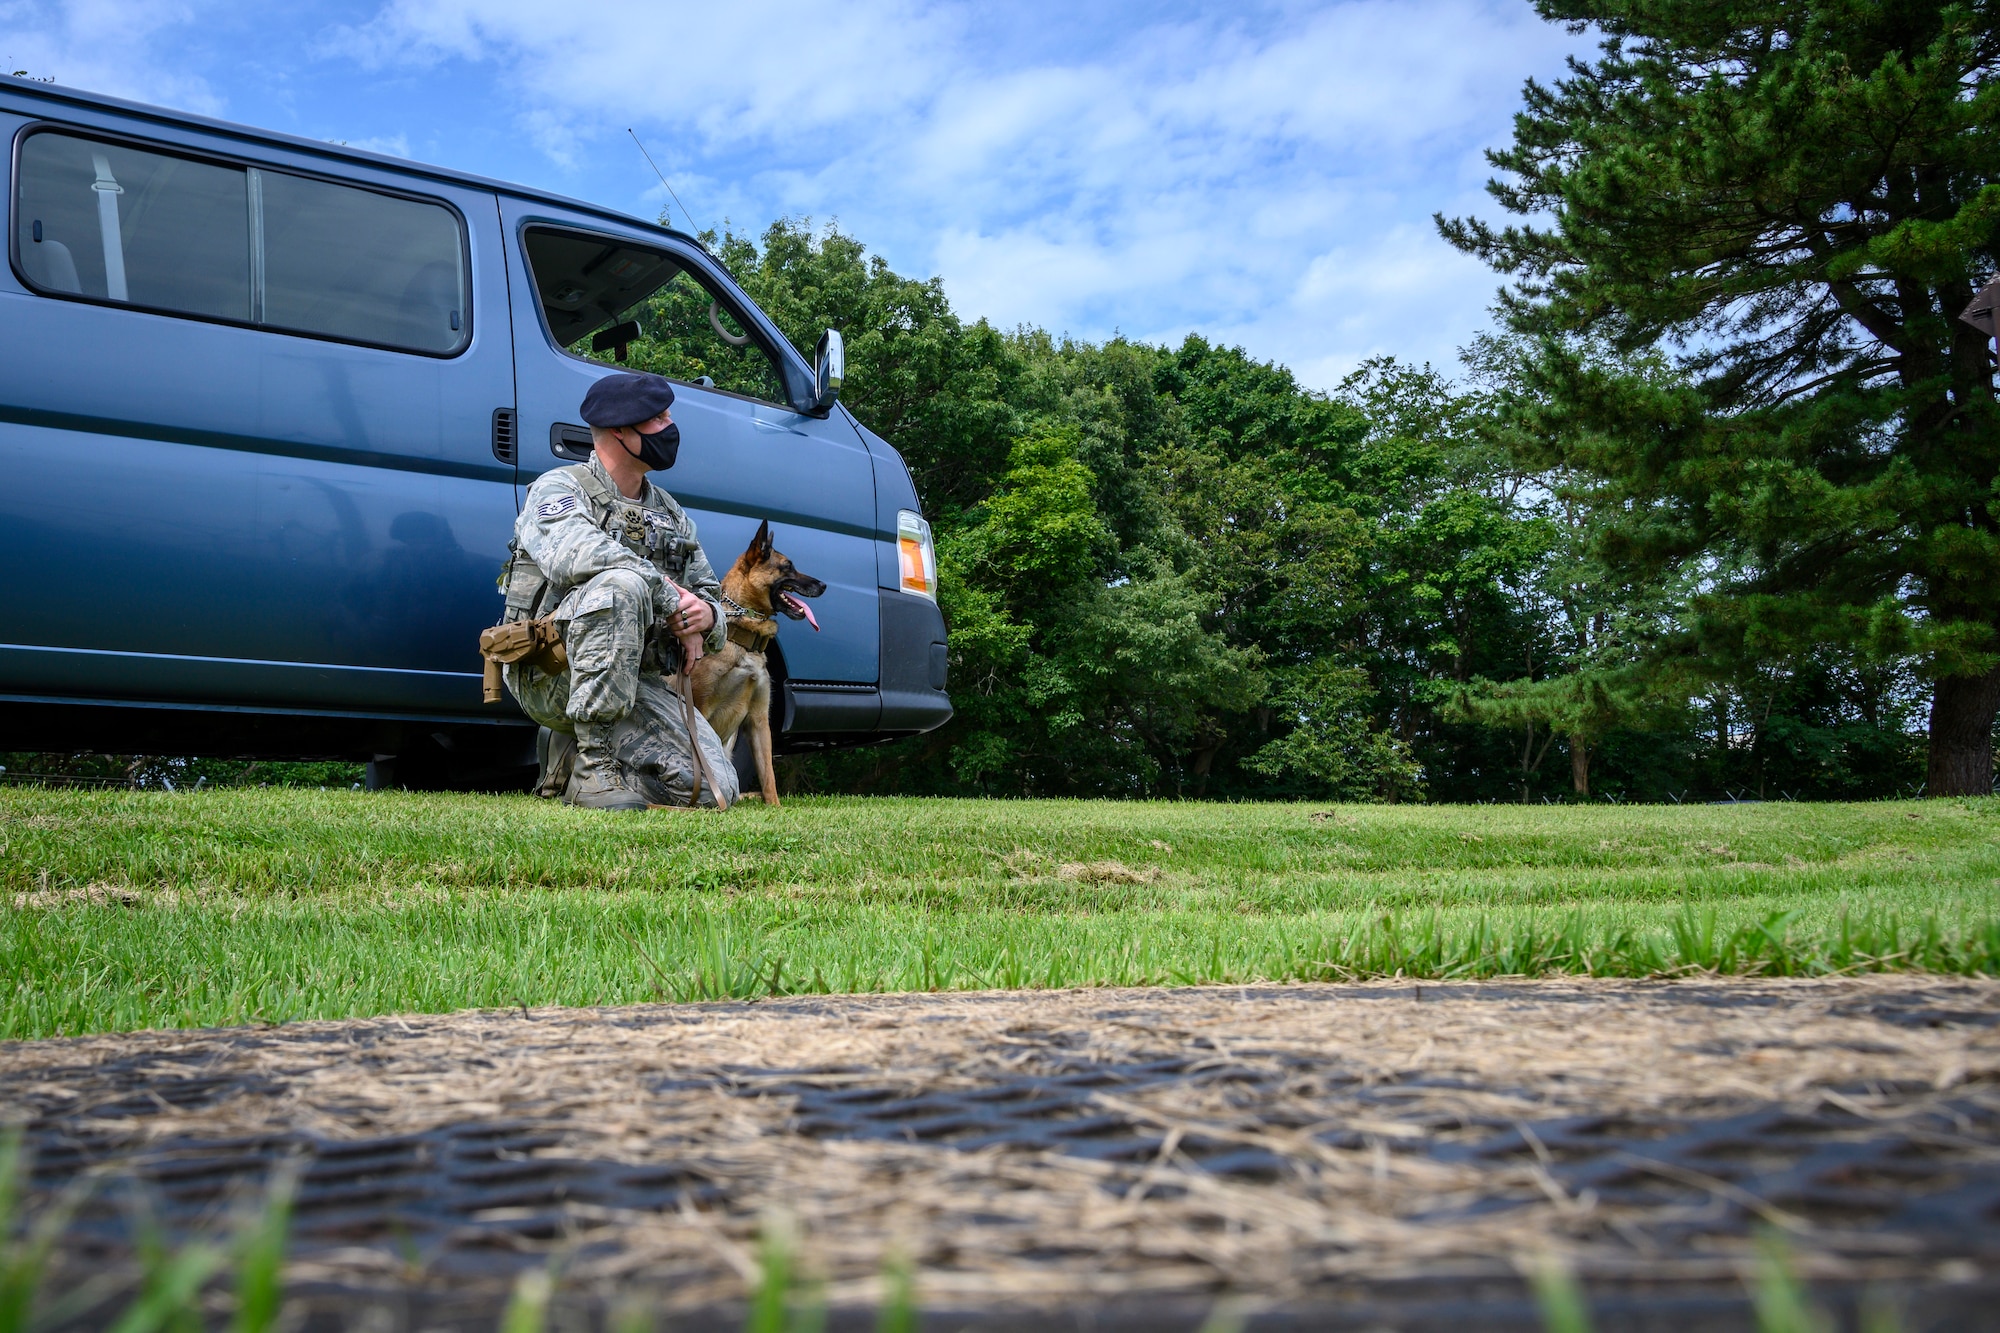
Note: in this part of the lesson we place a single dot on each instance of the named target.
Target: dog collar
(738, 611)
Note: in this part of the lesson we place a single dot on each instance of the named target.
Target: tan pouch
(536, 642)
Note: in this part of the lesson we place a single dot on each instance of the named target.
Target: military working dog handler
(601, 559)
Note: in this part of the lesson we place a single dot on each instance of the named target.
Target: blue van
(268, 407)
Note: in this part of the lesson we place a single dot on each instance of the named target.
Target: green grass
(137, 909)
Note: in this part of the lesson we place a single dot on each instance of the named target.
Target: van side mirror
(829, 368)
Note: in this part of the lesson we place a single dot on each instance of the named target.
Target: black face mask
(658, 450)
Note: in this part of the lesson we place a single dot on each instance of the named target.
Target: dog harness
(747, 627)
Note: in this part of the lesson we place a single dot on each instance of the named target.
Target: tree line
(1712, 514)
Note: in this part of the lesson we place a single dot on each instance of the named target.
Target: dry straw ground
(1302, 1143)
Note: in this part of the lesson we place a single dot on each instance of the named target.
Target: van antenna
(661, 174)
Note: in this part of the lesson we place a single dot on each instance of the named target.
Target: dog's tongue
(801, 606)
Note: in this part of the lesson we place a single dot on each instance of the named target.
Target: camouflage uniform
(600, 565)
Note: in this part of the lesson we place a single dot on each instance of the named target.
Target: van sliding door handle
(571, 443)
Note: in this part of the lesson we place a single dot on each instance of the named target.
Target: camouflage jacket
(574, 525)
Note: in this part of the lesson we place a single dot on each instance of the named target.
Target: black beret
(626, 400)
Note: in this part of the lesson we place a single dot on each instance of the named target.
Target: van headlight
(916, 558)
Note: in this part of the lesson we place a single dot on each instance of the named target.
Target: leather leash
(683, 683)
(684, 686)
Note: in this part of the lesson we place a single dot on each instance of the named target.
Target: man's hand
(691, 620)
(695, 616)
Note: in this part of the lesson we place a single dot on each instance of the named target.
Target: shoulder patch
(556, 508)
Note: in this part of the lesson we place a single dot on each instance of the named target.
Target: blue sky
(1263, 174)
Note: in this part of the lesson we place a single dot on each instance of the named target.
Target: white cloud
(1019, 277)
(117, 47)
(1261, 175)
(1272, 189)
(1439, 299)
(726, 70)
(1263, 172)
(1370, 78)
(391, 145)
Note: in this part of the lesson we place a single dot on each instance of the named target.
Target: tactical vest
(650, 535)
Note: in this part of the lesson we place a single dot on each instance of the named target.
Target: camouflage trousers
(606, 624)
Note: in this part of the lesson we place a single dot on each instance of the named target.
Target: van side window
(248, 245)
(104, 220)
(594, 289)
(361, 266)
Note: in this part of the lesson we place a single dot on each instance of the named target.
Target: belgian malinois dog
(734, 686)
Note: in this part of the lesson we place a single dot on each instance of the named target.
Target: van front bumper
(909, 698)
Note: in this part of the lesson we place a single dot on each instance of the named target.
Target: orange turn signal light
(916, 558)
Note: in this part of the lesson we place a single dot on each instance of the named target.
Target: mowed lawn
(133, 910)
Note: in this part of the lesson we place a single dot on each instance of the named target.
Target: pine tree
(1798, 199)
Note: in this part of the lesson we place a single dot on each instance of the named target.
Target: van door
(246, 441)
(583, 291)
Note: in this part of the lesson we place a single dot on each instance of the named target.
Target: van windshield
(595, 289)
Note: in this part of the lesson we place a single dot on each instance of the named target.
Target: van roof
(48, 92)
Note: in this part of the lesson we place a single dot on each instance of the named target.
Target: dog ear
(761, 543)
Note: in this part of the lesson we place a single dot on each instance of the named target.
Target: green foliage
(1039, 530)
(173, 772)
(1800, 201)
(1174, 571)
(1581, 707)
(1156, 563)
(1329, 745)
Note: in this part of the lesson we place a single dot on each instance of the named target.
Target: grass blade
(774, 1281)
(171, 1288)
(1559, 1296)
(260, 1253)
(528, 1308)
(1780, 1300)
(899, 1297)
